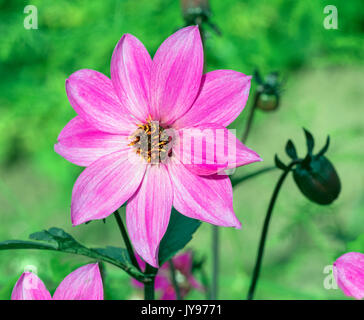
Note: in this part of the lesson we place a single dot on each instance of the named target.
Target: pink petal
(92, 96)
(206, 198)
(148, 212)
(137, 284)
(176, 75)
(349, 272)
(81, 144)
(222, 98)
(30, 287)
(105, 185)
(162, 280)
(130, 74)
(169, 294)
(183, 262)
(140, 261)
(194, 283)
(84, 283)
(210, 148)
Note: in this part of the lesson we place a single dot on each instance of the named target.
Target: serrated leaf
(310, 141)
(58, 236)
(279, 164)
(291, 150)
(59, 240)
(179, 233)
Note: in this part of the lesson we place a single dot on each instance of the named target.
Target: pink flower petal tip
(349, 274)
(85, 283)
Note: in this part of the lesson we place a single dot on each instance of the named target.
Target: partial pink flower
(349, 274)
(132, 134)
(84, 283)
(184, 277)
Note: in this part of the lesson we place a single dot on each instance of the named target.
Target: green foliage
(63, 242)
(179, 233)
(357, 245)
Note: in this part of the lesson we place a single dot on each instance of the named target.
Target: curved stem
(236, 181)
(149, 286)
(172, 269)
(127, 242)
(263, 236)
(215, 263)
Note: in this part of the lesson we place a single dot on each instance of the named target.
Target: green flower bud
(268, 91)
(314, 175)
(317, 179)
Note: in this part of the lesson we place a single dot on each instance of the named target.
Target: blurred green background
(323, 91)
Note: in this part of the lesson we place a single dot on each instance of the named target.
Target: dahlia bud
(198, 12)
(318, 180)
(268, 91)
(195, 11)
(314, 175)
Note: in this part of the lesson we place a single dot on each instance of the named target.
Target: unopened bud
(268, 91)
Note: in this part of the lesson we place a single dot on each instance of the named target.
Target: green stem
(236, 181)
(127, 242)
(172, 269)
(149, 286)
(250, 117)
(149, 290)
(265, 232)
(215, 263)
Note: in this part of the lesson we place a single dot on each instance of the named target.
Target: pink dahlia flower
(184, 277)
(128, 136)
(84, 283)
(349, 274)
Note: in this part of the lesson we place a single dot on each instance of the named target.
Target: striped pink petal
(105, 185)
(210, 148)
(206, 198)
(82, 144)
(30, 287)
(148, 213)
(92, 96)
(222, 98)
(85, 283)
(130, 74)
(176, 75)
(349, 274)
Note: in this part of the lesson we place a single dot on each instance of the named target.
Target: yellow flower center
(151, 141)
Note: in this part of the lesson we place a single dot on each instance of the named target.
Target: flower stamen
(150, 141)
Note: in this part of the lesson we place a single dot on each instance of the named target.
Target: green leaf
(59, 240)
(115, 253)
(179, 233)
(325, 147)
(309, 141)
(63, 240)
(291, 150)
(279, 164)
